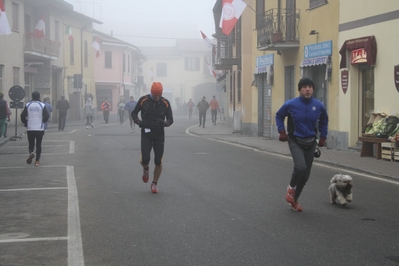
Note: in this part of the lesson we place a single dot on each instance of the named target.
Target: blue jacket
(305, 116)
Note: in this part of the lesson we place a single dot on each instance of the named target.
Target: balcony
(278, 30)
(223, 55)
(41, 47)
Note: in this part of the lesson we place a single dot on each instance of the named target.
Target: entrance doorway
(367, 96)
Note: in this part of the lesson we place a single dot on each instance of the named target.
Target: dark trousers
(303, 160)
(35, 136)
(214, 115)
(202, 118)
(61, 120)
(151, 141)
(106, 116)
(89, 119)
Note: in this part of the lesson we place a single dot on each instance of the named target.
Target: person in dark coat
(62, 107)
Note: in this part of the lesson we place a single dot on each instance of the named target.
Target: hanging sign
(359, 56)
(344, 80)
(396, 77)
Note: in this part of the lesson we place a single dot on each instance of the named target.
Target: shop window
(367, 78)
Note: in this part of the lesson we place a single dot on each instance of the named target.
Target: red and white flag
(40, 29)
(231, 12)
(68, 31)
(211, 70)
(207, 41)
(4, 25)
(96, 46)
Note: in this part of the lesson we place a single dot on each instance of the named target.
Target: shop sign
(396, 76)
(318, 49)
(344, 80)
(358, 56)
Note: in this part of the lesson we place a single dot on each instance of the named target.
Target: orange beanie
(156, 89)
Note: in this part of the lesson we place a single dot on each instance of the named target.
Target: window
(72, 52)
(15, 16)
(161, 70)
(108, 59)
(317, 3)
(56, 32)
(1, 77)
(192, 64)
(86, 54)
(15, 76)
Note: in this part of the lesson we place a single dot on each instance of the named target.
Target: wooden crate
(396, 155)
(387, 151)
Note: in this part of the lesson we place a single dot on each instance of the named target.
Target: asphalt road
(219, 204)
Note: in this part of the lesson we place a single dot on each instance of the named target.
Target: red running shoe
(296, 207)
(145, 175)
(290, 196)
(154, 188)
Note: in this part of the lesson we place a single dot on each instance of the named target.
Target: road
(219, 204)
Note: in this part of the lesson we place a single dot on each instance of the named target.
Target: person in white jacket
(34, 116)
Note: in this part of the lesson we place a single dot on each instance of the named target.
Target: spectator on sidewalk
(34, 116)
(202, 107)
(106, 107)
(305, 115)
(214, 109)
(89, 111)
(156, 114)
(4, 115)
(62, 107)
(47, 103)
(129, 106)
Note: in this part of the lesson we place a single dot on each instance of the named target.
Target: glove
(283, 135)
(321, 142)
(166, 123)
(141, 124)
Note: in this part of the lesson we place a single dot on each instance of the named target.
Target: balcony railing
(44, 47)
(278, 30)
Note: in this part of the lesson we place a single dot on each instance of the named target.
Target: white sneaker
(87, 127)
(106, 125)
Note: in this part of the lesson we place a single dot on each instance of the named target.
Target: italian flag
(40, 29)
(68, 31)
(96, 46)
(4, 26)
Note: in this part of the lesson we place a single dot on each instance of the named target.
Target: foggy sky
(140, 22)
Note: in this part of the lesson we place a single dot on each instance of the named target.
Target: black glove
(141, 124)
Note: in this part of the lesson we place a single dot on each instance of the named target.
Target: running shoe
(295, 206)
(92, 126)
(31, 156)
(290, 196)
(154, 188)
(145, 175)
(37, 163)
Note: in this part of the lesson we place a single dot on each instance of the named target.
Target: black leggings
(38, 136)
(106, 116)
(152, 140)
(89, 120)
(303, 160)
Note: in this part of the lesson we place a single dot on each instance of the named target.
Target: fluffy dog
(341, 189)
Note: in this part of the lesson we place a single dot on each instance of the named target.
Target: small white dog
(341, 189)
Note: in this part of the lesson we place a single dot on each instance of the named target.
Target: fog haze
(152, 22)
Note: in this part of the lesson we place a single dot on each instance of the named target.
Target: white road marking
(71, 147)
(75, 246)
(31, 189)
(33, 239)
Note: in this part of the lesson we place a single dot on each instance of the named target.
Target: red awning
(368, 43)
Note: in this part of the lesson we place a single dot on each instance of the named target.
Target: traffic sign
(16, 93)
(19, 105)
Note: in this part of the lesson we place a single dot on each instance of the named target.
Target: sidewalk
(349, 160)
(346, 160)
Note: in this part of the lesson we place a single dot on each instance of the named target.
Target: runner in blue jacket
(306, 116)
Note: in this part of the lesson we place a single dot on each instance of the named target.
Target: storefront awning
(368, 43)
(260, 70)
(314, 61)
